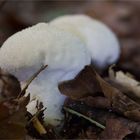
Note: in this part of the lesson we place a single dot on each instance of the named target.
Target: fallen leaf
(114, 130)
(129, 84)
(81, 86)
(102, 115)
(118, 101)
(99, 102)
(12, 118)
(9, 86)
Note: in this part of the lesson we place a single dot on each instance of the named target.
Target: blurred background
(123, 17)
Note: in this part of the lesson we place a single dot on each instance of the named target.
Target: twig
(38, 126)
(30, 80)
(83, 116)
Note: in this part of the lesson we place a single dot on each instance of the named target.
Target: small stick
(30, 80)
(38, 126)
(83, 116)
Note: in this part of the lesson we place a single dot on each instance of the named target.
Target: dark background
(122, 17)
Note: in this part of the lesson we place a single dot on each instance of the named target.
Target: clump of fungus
(66, 45)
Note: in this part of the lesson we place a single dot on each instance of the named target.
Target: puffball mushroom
(99, 39)
(26, 51)
(66, 45)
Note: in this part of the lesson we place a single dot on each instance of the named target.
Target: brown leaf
(114, 130)
(9, 86)
(118, 102)
(100, 102)
(127, 83)
(82, 86)
(101, 115)
(12, 118)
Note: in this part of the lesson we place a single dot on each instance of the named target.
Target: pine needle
(83, 116)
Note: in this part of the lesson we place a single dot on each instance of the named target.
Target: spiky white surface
(100, 40)
(24, 53)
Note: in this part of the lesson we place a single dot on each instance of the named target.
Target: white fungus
(100, 40)
(26, 51)
(66, 45)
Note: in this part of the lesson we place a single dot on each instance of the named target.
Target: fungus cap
(40, 45)
(65, 54)
(100, 40)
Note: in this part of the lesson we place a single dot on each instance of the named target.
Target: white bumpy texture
(64, 53)
(100, 40)
(66, 45)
